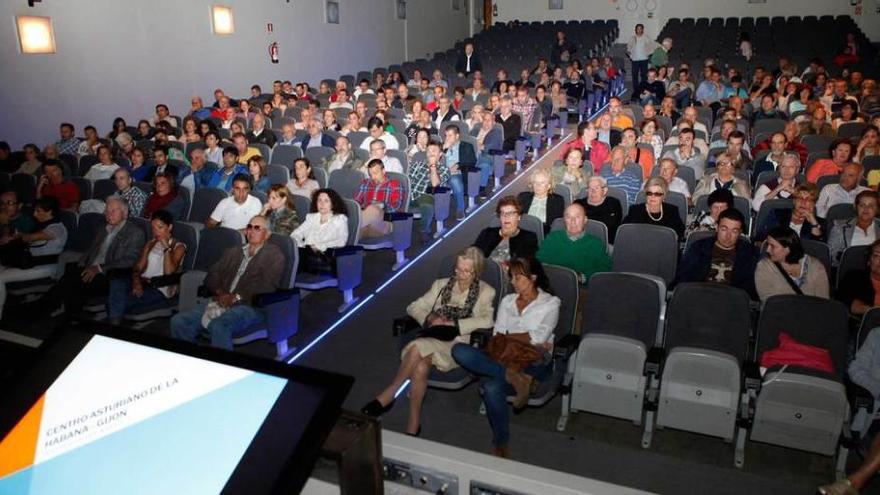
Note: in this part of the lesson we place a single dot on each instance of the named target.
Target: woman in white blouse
(104, 168)
(531, 310)
(326, 227)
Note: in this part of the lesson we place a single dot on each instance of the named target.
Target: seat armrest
(654, 361)
(480, 337)
(751, 376)
(497, 152)
(859, 397)
(566, 346)
(269, 298)
(403, 325)
(344, 251)
(397, 216)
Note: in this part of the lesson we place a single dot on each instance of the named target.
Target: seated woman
(324, 228)
(302, 182)
(257, 169)
(165, 197)
(787, 269)
(654, 211)
(722, 178)
(572, 173)
(140, 169)
(44, 243)
(718, 201)
(541, 202)
(601, 207)
(279, 209)
(503, 244)
(451, 309)
(155, 277)
(104, 168)
(526, 317)
(859, 230)
(857, 289)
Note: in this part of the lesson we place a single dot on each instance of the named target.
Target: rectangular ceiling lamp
(222, 19)
(35, 34)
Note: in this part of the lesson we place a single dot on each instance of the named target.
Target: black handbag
(16, 254)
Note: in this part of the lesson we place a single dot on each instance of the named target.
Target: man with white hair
(660, 57)
(259, 133)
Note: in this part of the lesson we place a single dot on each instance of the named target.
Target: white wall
(537, 10)
(121, 57)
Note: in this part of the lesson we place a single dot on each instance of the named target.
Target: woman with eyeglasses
(507, 242)
(156, 275)
(787, 269)
(446, 315)
(722, 178)
(860, 230)
(654, 211)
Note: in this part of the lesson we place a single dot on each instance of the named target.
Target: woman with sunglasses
(654, 211)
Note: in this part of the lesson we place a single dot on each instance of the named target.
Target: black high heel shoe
(418, 432)
(375, 408)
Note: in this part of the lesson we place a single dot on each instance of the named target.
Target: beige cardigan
(481, 316)
(769, 282)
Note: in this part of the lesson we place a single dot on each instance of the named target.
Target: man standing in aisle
(639, 48)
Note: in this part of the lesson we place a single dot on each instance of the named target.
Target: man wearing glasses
(235, 211)
(242, 273)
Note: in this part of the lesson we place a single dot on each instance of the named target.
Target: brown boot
(521, 383)
(501, 452)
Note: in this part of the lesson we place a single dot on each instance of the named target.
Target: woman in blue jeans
(155, 277)
(530, 309)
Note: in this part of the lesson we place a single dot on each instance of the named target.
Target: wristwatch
(237, 298)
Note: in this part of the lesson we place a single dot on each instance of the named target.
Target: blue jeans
(640, 72)
(494, 386)
(425, 205)
(484, 163)
(683, 98)
(121, 300)
(457, 184)
(187, 325)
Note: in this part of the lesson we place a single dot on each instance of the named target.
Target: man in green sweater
(660, 56)
(574, 248)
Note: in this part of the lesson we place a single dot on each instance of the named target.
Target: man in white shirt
(377, 133)
(235, 211)
(640, 48)
(843, 192)
(162, 113)
(377, 151)
(341, 100)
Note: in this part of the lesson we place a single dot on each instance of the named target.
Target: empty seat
(203, 203)
(647, 249)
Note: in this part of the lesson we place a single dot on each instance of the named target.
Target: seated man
(344, 157)
(574, 248)
(235, 211)
(771, 162)
(377, 152)
(844, 192)
(488, 138)
(460, 158)
(160, 162)
(781, 187)
(511, 122)
(316, 137)
(201, 169)
(376, 196)
(259, 133)
(13, 220)
(424, 176)
(241, 274)
(222, 177)
(245, 152)
(652, 90)
(53, 183)
(619, 119)
(617, 175)
(725, 258)
(376, 128)
(686, 155)
(125, 189)
(802, 219)
(112, 254)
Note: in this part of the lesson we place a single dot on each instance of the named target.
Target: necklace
(652, 216)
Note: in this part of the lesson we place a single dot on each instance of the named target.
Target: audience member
(324, 228)
(425, 175)
(140, 170)
(257, 170)
(460, 159)
(782, 186)
(391, 163)
(861, 230)
(722, 178)
(511, 123)
(69, 143)
(654, 211)
(234, 211)
(724, 258)
(844, 192)
(166, 196)
(540, 201)
(53, 183)
(841, 152)
(618, 175)
(378, 195)
(507, 242)
(588, 140)
(574, 248)
(13, 218)
(571, 173)
(787, 269)
(201, 171)
(447, 313)
(31, 164)
(802, 218)
(223, 177)
(104, 168)
(343, 158)
(707, 220)
(241, 274)
(669, 172)
(134, 196)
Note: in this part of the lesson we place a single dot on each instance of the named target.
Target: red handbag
(793, 353)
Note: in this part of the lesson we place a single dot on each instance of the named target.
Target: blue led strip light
(411, 262)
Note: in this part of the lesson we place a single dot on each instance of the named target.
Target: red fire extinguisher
(273, 52)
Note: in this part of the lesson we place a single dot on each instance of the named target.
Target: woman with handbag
(451, 309)
(155, 277)
(35, 255)
(788, 270)
(519, 353)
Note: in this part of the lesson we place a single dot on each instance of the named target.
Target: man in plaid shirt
(424, 175)
(68, 144)
(377, 195)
